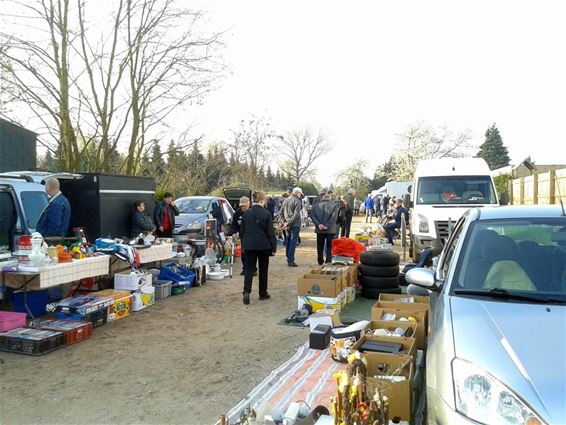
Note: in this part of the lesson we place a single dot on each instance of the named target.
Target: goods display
(75, 331)
(10, 320)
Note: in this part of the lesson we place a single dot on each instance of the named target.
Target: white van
(442, 191)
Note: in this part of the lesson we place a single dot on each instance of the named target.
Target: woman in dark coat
(259, 243)
(141, 223)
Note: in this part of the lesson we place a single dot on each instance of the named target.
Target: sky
(363, 71)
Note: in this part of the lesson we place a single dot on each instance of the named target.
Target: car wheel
(379, 258)
(379, 282)
(378, 271)
(374, 293)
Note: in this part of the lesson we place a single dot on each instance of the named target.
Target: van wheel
(373, 294)
(379, 258)
(379, 282)
(378, 271)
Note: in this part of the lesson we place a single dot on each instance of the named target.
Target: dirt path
(185, 360)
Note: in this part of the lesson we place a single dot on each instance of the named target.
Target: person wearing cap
(291, 217)
(320, 195)
(235, 228)
(324, 215)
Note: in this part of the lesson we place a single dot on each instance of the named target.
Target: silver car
(497, 346)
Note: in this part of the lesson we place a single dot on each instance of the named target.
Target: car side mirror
(425, 278)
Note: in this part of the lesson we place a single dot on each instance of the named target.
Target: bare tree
(112, 85)
(299, 150)
(421, 141)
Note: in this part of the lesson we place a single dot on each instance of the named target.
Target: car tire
(379, 282)
(373, 294)
(378, 271)
(379, 258)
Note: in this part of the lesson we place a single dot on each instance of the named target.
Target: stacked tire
(379, 273)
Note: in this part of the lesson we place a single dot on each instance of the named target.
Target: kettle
(38, 249)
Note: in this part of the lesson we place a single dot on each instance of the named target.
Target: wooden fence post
(535, 189)
(552, 188)
(522, 191)
(510, 191)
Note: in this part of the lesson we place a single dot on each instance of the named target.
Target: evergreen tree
(157, 166)
(493, 150)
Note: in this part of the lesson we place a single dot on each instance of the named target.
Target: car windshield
(193, 206)
(455, 190)
(515, 256)
(34, 202)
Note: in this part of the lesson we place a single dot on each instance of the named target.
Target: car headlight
(195, 225)
(484, 399)
(423, 224)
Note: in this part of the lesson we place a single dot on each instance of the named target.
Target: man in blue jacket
(401, 210)
(56, 217)
(368, 204)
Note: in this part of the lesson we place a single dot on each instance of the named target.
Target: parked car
(497, 345)
(21, 203)
(195, 210)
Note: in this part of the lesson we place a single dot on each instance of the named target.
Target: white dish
(215, 275)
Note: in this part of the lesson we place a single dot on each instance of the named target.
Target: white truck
(443, 189)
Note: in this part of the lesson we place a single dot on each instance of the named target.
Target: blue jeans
(389, 230)
(291, 243)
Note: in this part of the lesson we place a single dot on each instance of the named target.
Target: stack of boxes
(392, 360)
(139, 285)
(328, 287)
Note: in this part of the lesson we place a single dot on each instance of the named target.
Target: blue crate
(178, 274)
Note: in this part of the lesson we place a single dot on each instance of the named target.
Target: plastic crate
(36, 301)
(178, 289)
(162, 289)
(31, 341)
(98, 318)
(10, 320)
(75, 331)
(178, 274)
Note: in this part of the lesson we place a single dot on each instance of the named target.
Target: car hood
(451, 212)
(534, 362)
(184, 218)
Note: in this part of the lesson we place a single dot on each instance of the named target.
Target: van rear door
(8, 219)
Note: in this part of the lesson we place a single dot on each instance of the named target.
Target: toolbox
(31, 341)
(86, 308)
(75, 331)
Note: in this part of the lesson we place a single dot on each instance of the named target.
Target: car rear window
(33, 202)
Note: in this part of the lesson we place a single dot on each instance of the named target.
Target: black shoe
(293, 265)
(242, 273)
(265, 296)
(320, 263)
(246, 298)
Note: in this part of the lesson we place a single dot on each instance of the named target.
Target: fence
(538, 189)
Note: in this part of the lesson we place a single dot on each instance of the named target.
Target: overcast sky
(365, 70)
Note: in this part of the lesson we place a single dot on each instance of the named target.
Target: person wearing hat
(291, 217)
(235, 228)
(320, 195)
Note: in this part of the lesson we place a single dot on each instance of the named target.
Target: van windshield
(455, 190)
(33, 202)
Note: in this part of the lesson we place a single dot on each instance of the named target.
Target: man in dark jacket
(141, 223)
(56, 217)
(324, 215)
(236, 227)
(350, 198)
(270, 205)
(401, 210)
(259, 243)
(341, 217)
(164, 218)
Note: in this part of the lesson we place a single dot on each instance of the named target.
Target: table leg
(26, 301)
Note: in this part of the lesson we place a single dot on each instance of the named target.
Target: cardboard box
(408, 346)
(122, 306)
(132, 281)
(403, 306)
(317, 285)
(320, 303)
(399, 392)
(349, 294)
(324, 317)
(417, 299)
(391, 325)
(353, 274)
(421, 318)
(343, 273)
(143, 298)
